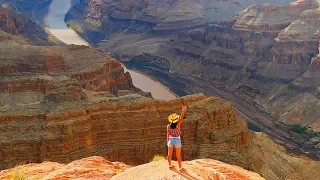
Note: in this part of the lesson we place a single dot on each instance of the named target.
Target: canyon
(263, 58)
(64, 103)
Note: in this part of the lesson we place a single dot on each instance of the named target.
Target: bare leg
(178, 153)
(170, 150)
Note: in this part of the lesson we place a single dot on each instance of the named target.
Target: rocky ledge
(94, 167)
(98, 168)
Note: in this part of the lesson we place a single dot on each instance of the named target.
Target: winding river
(58, 27)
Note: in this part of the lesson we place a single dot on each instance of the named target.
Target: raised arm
(184, 109)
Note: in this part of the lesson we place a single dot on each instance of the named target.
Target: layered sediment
(128, 129)
(27, 31)
(261, 55)
(70, 102)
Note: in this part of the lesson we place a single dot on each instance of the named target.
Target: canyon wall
(18, 23)
(129, 129)
(261, 60)
(62, 103)
(37, 10)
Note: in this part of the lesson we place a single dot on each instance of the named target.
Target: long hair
(173, 125)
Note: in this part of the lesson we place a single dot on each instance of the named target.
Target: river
(58, 28)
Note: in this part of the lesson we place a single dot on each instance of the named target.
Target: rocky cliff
(126, 128)
(37, 10)
(17, 23)
(65, 103)
(61, 73)
(98, 168)
(94, 167)
(261, 60)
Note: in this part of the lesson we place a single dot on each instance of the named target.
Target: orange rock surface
(87, 168)
(95, 168)
(202, 169)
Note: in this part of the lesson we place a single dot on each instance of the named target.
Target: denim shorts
(174, 142)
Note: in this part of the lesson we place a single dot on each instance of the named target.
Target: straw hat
(173, 118)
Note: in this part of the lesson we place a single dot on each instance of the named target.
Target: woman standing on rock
(173, 137)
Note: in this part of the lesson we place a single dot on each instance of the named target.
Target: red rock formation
(204, 169)
(54, 64)
(98, 168)
(87, 168)
(62, 65)
(109, 78)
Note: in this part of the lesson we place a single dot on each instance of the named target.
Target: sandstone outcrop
(202, 169)
(94, 167)
(98, 168)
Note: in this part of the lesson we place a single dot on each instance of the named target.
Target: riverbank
(135, 70)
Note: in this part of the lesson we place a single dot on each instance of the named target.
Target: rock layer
(16, 23)
(9, 23)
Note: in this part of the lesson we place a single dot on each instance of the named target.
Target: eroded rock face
(27, 68)
(129, 129)
(36, 10)
(36, 81)
(169, 14)
(9, 23)
(27, 31)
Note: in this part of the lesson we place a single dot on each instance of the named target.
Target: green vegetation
(304, 130)
(118, 171)
(158, 158)
(298, 128)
